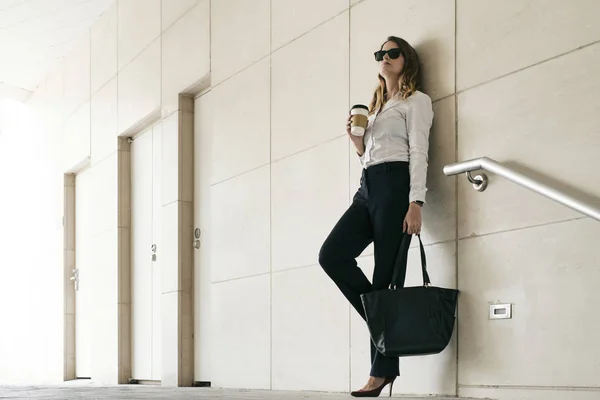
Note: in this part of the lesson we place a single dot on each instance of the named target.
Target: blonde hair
(408, 82)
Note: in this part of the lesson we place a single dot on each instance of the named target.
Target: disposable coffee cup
(360, 119)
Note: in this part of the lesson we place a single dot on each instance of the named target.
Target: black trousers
(376, 215)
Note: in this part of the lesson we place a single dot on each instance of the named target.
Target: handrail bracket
(479, 182)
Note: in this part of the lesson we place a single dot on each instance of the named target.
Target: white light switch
(500, 311)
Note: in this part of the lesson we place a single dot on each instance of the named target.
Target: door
(82, 274)
(156, 271)
(202, 273)
(145, 255)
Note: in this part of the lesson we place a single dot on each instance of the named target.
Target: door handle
(75, 278)
(197, 234)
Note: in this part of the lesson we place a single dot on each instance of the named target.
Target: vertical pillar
(124, 260)
(177, 246)
(69, 288)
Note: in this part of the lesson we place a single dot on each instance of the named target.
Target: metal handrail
(480, 183)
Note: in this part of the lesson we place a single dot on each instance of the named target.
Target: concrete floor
(88, 392)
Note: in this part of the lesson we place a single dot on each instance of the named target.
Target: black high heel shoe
(377, 391)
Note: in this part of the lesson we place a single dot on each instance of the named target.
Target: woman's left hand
(413, 221)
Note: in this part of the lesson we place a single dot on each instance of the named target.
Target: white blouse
(400, 132)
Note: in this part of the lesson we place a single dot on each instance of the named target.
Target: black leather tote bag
(410, 321)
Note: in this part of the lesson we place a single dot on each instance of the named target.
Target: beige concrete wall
(125, 74)
(508, 81)
(528, 82)
(283, 172)
(31, 279)
(513, 81)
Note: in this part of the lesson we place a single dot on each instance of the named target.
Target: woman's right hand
(357, 140)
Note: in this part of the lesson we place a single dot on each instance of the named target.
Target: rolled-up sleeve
(362, 158)
(419, 118)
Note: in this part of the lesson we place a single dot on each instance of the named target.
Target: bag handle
(402, 261)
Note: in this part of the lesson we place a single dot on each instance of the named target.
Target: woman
(387, 206)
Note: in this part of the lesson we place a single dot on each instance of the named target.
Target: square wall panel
(185, 54)
(168, 130)
(104, 49)
(496, 38)
(105, 265)
(548, 274)
(167, 363)
(104, 122)
(525, 122)
(240, 32)
(76, 76)
(309, 195)
(241, 329)
(240, 123)
(172, 10)
(240, 226)
(134, 36)
(428, 25)
(77, 138)
(84, 192)
(48, 100)
(293, 18)
(439, 212)
(442, 137)
(104, 348)
(105, 200)
(139, 88)
(168, 246)
(310, 93)
(310, 332)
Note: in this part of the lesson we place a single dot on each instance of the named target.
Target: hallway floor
(123, 392)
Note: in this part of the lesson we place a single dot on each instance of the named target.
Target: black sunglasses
(392, 53)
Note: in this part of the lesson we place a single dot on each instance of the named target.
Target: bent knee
(327, 257)
(330, 259)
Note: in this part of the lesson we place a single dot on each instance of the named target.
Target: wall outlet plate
(500, 311)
